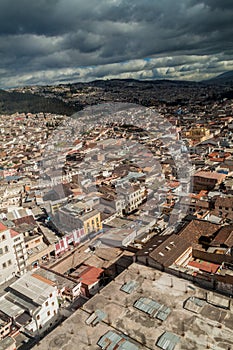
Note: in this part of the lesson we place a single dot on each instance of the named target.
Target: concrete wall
(212, 257)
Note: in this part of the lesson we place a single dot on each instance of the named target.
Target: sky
(58, 41)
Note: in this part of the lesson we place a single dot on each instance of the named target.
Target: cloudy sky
(54, 41)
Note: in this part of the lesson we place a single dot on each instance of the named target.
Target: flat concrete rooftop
(201, 326)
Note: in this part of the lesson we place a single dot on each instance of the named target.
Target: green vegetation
(12, 102)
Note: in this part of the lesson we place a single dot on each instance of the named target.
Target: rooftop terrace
(190, 325)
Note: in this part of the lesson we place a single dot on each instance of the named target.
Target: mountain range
(224, 78)
(49, 99)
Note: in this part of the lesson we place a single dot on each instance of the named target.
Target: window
(53, 303)
(46, 304)
(48, 313)
(4, 265)
(50, 295)
(17, 239)
(3, 237)
(6, 249)
(38, 317)
(9, 262)
(1, 251)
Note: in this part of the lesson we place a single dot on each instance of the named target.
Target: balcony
(19, 248)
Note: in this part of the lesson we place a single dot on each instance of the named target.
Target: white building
(32, 298)
(134, 196)
(11, 196)
(118, 237)
(13, 256)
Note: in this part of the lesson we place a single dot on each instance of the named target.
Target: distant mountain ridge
(224, 78)
(69, 98)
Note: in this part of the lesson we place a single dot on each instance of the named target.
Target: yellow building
(91, 221)
(197, 135)
(80, 215)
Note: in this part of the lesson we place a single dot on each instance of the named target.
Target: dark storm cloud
(51, 40)
(215, 4)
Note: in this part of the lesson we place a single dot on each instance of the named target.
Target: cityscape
(119, 207)
(116, 175)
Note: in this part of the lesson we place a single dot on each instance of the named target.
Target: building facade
(13, 256)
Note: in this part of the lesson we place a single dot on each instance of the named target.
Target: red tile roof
(204, 266)
(215, 155)
(224, 236)
(173, 184)
(226, 202)
(13, 233)
(90, 275)
(2, 227)
(210, 175)
(202, 193)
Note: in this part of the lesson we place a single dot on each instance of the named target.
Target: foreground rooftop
(197, 319)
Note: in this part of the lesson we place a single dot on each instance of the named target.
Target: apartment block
(13, 257)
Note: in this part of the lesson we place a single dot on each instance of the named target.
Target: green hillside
(12, 102)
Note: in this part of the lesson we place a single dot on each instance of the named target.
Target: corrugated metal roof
(33, 288)
(147, 305)
(10, 308)
(197, 301)
(127, 345)
(109, 339)
(112, 341)
(168, 341)
(153, 308)
(129, 287)
(193, 305)
(163, 313)
(23, 319)
(96, 317)
(21, 302)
